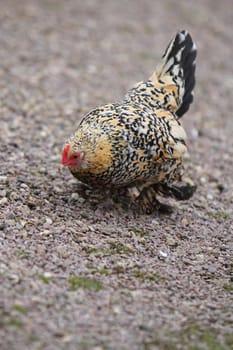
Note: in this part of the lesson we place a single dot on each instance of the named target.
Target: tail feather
(180, 192)
(178, 68)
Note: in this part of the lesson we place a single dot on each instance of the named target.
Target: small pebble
(14, 278)
(3, 193)
(58, 189)
(80, 234)
(3, 225)
(3, 201)
(42, 170)
(63, 252)
(14, 196)
(203, 180)
(23, 223)
(210, 196)
(67, 338)
(200, 257)
(21, 179)
(3, 179)
(72, 181)
(25, 210)
(23, 185)
(45, 233)
(194, 133)
(185, 222)
(75, 196)
(81, 200)
(10, 216)
(154, 222)
(210, 268)
(116, 309)
(48, 274)
(48, 221)
(163, 254)
(221, 188)
(24, 233)
(129, 247)
(37, 299)
(171, 242)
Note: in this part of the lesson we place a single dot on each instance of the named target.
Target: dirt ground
(77, 273)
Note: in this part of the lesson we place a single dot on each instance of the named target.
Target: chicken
(138, 144)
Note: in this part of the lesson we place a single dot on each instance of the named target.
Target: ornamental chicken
(137, 145)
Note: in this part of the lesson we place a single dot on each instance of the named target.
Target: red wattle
(65, 158)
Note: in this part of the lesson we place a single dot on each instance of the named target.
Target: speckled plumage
(139, 143)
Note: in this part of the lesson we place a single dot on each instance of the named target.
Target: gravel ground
(78, 272)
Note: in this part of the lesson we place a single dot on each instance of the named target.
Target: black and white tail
(178, 67)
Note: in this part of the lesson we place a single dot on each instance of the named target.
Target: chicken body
(139, 144)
